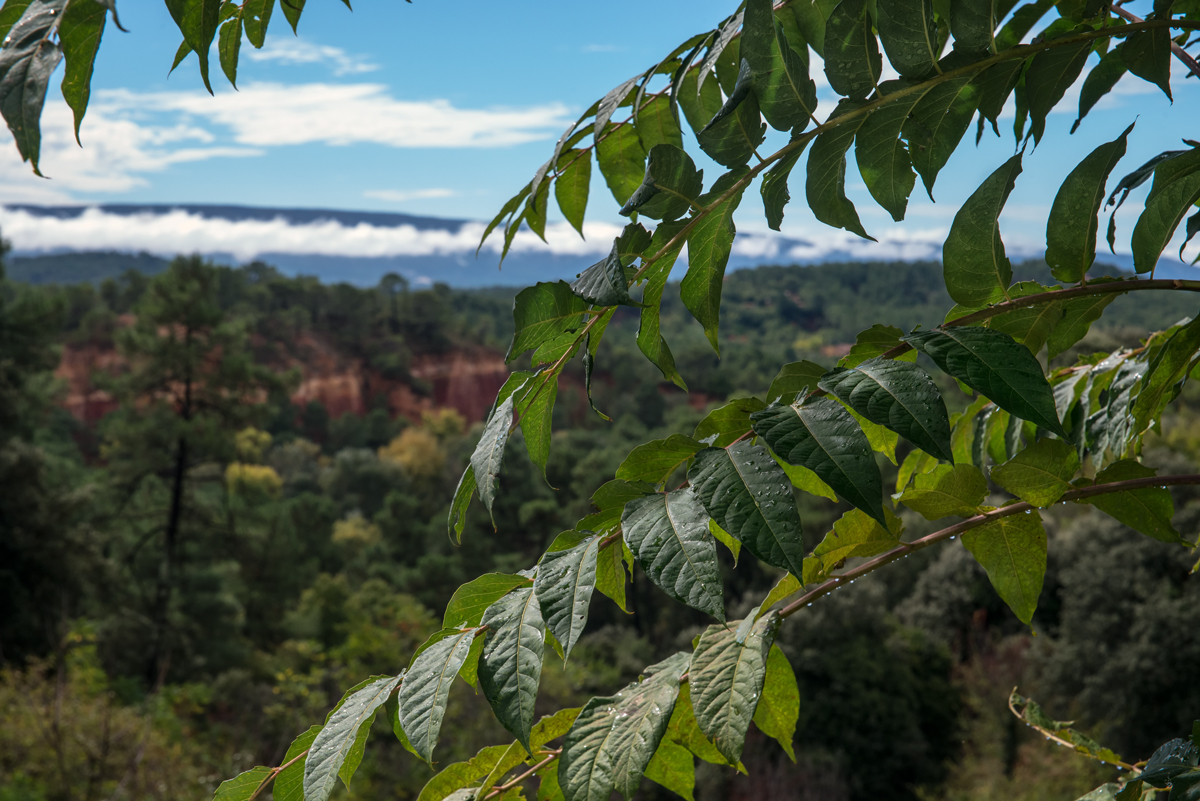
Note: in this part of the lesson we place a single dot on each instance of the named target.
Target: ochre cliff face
(464, 380)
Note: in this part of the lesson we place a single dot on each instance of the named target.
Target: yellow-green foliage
(252, 480)
(418, 451)
(356, 531)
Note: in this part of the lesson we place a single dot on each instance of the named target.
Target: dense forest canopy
(208, 560)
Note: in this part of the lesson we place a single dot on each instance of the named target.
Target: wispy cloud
(117, 153)
(271, 114)
(299, 51)
(403, 195)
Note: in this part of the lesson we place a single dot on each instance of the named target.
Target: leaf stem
(1179, 52)
(1050, 735)
(514, 782)
(975, 522)
(275, 772)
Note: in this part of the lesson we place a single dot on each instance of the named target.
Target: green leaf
(937, 124)
(810, 16)
(917, 463)
(79, 35)
(1169, 761)
(488, 457)
(338, 748)
(614, 738)
(786, 587)
(725, 538)
(1175, 190)
(995, 85)
(244, 785)
(1148, 510)
(511, 666)
(1074, 217)
(668, 535)
(459, 775)
(426, 689)
(748, 494)
(1078, 316)
(1050, 75)
(733, 133)
(946, 490)
(674, 768)
(622, 159)
(289, 784)
(899, 396)
(229, 44)
(726, 680)
(822, 436)
(571, 188)
(727, 423)
(709, 244)
(612, 571)
(972, 23)
(649, 335)
(10, 12)
(291, 11)
(1041, 473)
(855, 534)
(993, 364)
(564, 585)
(604, 283)
(825, 184)
(462, 499)
(1148, 54)
(786, 95)
(27, 59)
(656, 124)
(852, 60)
(883, 159)
(804, 479)
(1168, 369)
(1099, 81)
(1013, 552)
(793, 379)
(541, 313)
(655, 461)
(256, 15)
(910, 36)
(699, 104)
(670, 188)
(471, 600)
(533, 401)
(875, 341)
(774, 188)
(610, 500)
(197, 21)
(1030, 325)
(779, 708)
(974, 264)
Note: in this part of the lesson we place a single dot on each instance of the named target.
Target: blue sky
(444, 109)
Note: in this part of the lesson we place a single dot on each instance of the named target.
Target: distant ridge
(359, 247)
(237, 212)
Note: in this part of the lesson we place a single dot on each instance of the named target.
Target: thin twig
(1050, 735)
(510, 784)
(1179, 52)
(975, 522)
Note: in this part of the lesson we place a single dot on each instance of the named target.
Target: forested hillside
(172, 615)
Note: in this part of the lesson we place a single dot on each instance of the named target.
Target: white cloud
(267, 114)
(403, 195)
(117, 152)
(179, 231)
(299, 51)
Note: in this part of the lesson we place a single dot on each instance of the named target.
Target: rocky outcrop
(465, 380)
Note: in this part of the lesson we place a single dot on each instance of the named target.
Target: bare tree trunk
(162, 597)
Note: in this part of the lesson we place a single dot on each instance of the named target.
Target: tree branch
(1179, 52)
(975, 522)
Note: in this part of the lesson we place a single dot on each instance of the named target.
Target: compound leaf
(510, 668)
